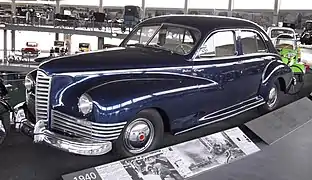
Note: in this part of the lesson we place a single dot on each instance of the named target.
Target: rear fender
(275, 71)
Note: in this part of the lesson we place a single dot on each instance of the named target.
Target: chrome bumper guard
(81, 146)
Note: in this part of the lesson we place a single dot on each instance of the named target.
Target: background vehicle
(132, 16)
(274, 32)
(84, 47)
(288, 48)
(31, 50)
(306, 36)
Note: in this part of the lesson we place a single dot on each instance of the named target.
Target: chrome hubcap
(139, 135)
(272, 97)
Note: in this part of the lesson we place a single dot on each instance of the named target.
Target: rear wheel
(144, 133)
(272, 99)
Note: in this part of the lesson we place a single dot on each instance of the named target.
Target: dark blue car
(172, 73)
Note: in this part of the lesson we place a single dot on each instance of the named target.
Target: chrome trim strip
(71, 125)
(211, 115)
(265, 69)
(183, 75)
(271, 73)
(93, 123)
(221, 119)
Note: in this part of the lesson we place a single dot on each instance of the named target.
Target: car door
(218, 61)
(253, 60)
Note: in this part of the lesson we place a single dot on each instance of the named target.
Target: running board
(226, 113)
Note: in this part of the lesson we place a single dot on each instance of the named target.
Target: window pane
(175, 39)
(251, 42)
(219, 44)
(208, 4)
(143, 35)
(263, 4)
(165, 3)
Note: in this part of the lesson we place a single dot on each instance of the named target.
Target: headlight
(85, 104)
(28, 83)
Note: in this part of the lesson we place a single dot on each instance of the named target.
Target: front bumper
(41, 134)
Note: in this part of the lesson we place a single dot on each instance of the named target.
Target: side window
(220, 44)
(252, 42)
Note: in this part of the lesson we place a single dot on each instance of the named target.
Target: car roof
(205, 23)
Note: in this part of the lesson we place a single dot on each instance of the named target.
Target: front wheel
(272, 99)
(144, 133)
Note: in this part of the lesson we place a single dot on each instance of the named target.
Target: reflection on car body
(171, 73)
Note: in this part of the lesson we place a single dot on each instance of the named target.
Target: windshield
(285, 43)
(277, 32)
(171, 38)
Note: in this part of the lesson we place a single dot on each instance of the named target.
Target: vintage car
(306, 35)
(290, 52)
(192, 71)
(274, 32)
(84, 47)
(31, 50)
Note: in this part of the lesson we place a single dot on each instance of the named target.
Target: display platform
(273, 126)
(185, 160)
(289, 128)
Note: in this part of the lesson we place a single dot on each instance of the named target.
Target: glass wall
(120, 3)
(253, 4)
(208, 4)
(81, 3)
(164, 3)
(298, 4)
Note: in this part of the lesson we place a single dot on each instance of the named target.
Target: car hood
(114, 59)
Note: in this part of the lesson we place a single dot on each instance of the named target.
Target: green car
(287, 46)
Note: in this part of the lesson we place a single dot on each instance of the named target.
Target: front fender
(119, 100)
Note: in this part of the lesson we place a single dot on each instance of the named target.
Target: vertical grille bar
(43, 83)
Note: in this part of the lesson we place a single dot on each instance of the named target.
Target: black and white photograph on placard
(205, 153)
(151, 166)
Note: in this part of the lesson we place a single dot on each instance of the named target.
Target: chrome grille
(43, 83)
(82, 128)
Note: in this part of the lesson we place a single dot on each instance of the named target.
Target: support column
(143, 9)
(13, 9)
(100, 43)
(57, 10)
(101, 9)
(57, 36)
(12, 40)
(276, 11)
(57, 6)
(67, 40)
(186, 6)
(230, 8)
(5, 47)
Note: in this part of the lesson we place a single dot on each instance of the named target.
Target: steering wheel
(181, 46)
